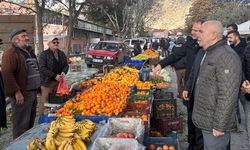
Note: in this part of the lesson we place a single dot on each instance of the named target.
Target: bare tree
(36, 8)
(74, 9)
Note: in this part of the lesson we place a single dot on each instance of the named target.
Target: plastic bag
(63, 88)
(115, 144)
(125, 125)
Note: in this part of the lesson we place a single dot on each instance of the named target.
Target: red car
(107, 52)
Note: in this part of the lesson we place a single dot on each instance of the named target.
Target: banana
(66, 135)
(81, 144)
(62, 146)
(70, 146)
(67, 129)
(61, 139)
(57, 142)
(76, 146)
(50, 144)
(76, 136)
(67, 146)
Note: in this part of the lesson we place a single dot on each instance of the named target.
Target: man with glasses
(21, 80)
(188, 50)
(53, 67)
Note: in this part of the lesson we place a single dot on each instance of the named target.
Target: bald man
(216, 88)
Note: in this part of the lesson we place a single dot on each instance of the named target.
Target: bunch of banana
(72, 144)
(85, 129)
(36, 144)
(50, 142)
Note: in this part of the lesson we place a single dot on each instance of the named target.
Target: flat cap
(16, 32)
(50, 39)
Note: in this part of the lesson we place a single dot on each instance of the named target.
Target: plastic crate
(168, 125)
(54, 99)
(162, 94)
(75, 67)
(139, 106)
(138, 114)
(164, 108)
(48, 119)
(134, 64)
(144, 74)
(136, 95)
(160, 141)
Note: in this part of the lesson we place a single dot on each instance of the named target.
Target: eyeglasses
(56, 42)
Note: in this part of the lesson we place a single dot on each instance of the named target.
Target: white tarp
(244, 28)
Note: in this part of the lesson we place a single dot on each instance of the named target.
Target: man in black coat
(53, 67)
(188, 50)
(237, 43)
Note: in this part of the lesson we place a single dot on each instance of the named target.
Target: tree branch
(10, 2)
(62, 3)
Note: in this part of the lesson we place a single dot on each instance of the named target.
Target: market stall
(110, 110)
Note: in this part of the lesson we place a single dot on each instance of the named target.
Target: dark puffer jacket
(50, 67)
(217, 89)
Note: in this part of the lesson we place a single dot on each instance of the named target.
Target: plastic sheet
(39, 131)
(115, 143)
(95, 119)
(125, 125)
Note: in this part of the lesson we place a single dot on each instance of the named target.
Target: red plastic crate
(166, 126)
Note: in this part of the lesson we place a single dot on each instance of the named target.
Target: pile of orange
(102, 99)
(124, 75)
(143, 85)
(151, 53)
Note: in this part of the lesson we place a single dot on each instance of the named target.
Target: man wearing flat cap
(53, 67)
(21, 79)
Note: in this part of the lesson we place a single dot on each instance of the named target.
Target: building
(55, 24)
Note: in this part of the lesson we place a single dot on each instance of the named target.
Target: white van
(130, 42)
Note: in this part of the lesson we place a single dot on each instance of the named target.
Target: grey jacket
(217, 88)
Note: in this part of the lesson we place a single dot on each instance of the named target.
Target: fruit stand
(116, 108)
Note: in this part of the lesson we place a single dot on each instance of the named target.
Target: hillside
(170, 14)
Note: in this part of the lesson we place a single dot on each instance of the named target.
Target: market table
(40, 131)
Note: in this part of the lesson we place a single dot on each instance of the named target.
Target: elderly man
(188, 50)
(216, 88)
(53, 67)
(21, 79)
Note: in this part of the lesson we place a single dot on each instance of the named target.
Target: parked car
(107, 52)
(130, 42)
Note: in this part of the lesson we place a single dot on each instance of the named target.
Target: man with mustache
(21, 79)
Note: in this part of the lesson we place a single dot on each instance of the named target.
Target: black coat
(190, 84)
(246, 63)
(49, 67)
(240, 48)
(3, 118)
(189, 49)
(181, 64)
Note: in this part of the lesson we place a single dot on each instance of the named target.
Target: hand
(217, 133)
(157, 70)
(19, 98)
(245, 87)
(185, 95)
(58, 78)
(63, 74)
